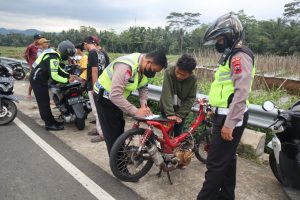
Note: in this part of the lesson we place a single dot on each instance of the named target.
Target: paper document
(152, 116)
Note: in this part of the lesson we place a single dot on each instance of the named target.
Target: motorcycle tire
(8, 113)
(202, 146)
(80, 123)
(19, 74)
(119, 155)
(273, 165)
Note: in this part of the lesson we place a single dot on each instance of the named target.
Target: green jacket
(177, 96)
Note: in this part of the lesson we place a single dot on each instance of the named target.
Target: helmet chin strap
(227, 53)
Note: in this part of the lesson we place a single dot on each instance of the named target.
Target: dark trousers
(111, 120)
(178, 128)
(220, 177)
(41, 94)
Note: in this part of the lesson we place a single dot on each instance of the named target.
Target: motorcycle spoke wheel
(125, 162)
(202, 146)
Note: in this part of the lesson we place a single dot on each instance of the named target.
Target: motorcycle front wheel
(8, 111)
(273, 165)
(125, 162)
(19, 74)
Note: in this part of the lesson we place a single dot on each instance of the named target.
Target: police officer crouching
(45, 68)
(228, 97)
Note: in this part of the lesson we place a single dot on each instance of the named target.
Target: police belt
(223, 111)
(100, 95)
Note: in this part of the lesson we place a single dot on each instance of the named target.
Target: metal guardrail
(257, 116)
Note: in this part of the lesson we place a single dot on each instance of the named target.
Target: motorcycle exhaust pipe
(157, 157)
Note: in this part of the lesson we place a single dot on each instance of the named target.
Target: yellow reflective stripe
(54, 65)
(224, 78)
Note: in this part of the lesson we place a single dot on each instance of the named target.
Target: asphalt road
(29, 172)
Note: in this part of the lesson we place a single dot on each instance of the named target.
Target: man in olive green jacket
(179, 91)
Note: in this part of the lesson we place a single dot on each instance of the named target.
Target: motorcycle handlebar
(279, 123)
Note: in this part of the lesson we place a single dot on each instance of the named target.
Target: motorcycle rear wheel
(202, 146)
(124, 162)
(8, 113)
(80, 123)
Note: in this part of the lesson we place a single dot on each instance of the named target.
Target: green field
(280, 97)
(18, 52)
(12, 52)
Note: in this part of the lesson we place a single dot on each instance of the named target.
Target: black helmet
(66, 49)
(228, 26)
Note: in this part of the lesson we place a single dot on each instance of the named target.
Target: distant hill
(4, 31)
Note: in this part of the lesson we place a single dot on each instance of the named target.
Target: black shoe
(58, 123)
(54, 127)
(93, 122)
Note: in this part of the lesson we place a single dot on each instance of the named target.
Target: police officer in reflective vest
(119, 79)
(46, 67)
(228, 97)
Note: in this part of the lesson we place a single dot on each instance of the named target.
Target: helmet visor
(210, 42)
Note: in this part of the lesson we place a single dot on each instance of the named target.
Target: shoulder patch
(127, 75)
(236, 64)
(55, 63)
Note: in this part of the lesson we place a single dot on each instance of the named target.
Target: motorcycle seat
(65, 87)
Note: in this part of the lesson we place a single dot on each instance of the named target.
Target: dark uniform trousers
(111, 120)
(41, 93)
(220, 177)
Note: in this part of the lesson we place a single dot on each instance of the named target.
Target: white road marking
(85, 181)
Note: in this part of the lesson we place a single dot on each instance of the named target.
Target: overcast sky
(57, 15)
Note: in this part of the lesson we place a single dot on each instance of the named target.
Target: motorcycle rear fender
(9, 97)
(78, 110)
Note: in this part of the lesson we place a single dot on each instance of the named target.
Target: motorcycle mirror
(268, 106)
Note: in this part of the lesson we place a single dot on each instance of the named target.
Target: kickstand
(159, 173)
(169, 177)
(168, 173)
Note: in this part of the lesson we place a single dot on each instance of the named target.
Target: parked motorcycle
(18, 71)
(8, 109)
(285, 156)
(70, 101)
(135, 151)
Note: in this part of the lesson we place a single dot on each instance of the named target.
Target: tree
(292, 9)
(182, 21)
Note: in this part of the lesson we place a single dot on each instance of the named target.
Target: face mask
(220, 47)
(149, 73)
(64, 57)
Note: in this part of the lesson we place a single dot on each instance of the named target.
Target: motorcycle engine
(185, 153)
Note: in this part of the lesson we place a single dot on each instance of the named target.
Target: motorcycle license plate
(75, 100)
(6, 79)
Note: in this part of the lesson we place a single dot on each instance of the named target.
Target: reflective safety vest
(105, 79)
(41, 57)
(222, 89)
(54, 66)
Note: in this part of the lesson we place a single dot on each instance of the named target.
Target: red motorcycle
(135, 151)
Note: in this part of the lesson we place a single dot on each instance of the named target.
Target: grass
(12, 52)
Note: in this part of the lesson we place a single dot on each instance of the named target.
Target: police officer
(45, 68)
(228, 97)
(121, 77)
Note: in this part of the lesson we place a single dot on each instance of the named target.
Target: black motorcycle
(285, 156)
(70, 100)
(18, 70)
(8, 109)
